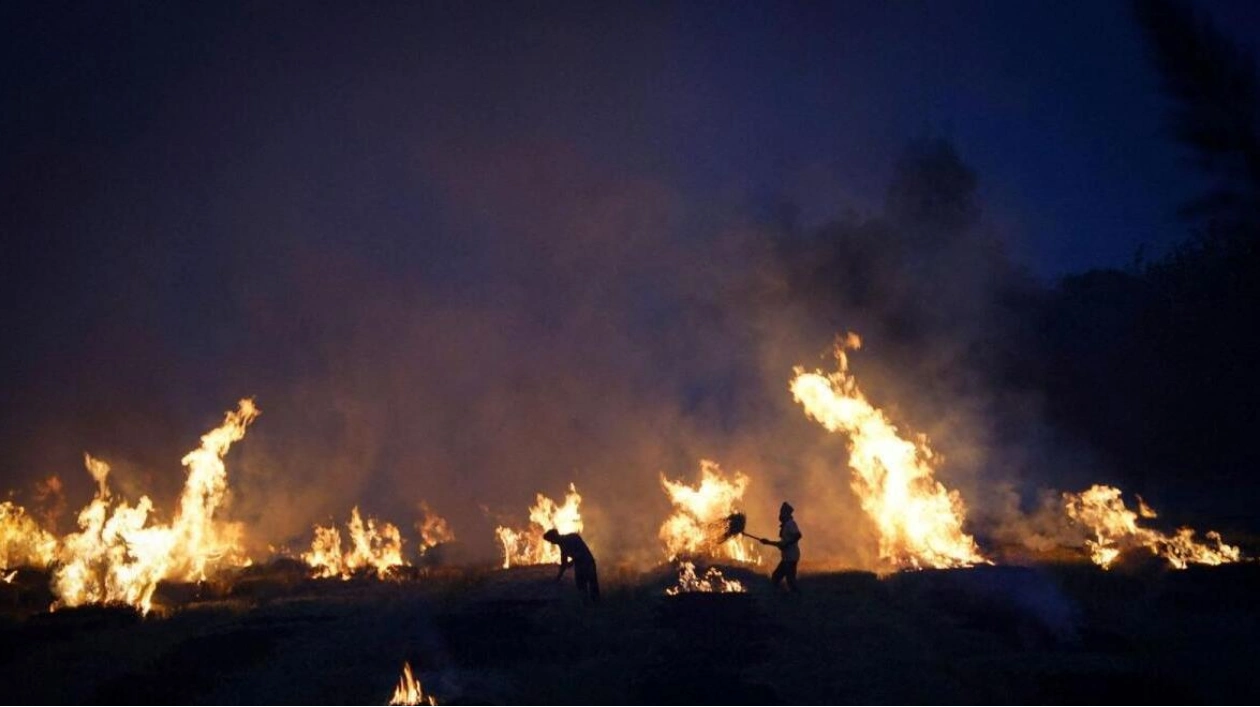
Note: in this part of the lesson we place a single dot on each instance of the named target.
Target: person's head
(552, 536)
(785, 512)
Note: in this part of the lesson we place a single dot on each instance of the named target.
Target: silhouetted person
(573, 551)
(790, 553)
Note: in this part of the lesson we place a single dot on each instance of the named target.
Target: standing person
(573, 551)
(790, 553)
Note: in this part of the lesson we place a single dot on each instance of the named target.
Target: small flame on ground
(527, 547)
(918, 519)
(432, 528)
(711, 581)
(409, 691)
(374, 546)
(697, 527)
(1102, 510)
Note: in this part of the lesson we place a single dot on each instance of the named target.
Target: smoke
(451, 284)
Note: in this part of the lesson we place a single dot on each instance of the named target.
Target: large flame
(374, 546)
(22, 541)
(697, 526)
(918, 519)
(119, 557)
(1102, 510)
(711, 581)
(432, 528)
(527, 547)
(409, 691)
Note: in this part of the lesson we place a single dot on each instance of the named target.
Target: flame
(1102, 510)
(711, 581)
(432, 528)
(22, 540)
(8, 577)
(918, 519)
(527, 547)
(374, 546)
(697, 525)
(409, 691)
(50, 496)
(118, 557)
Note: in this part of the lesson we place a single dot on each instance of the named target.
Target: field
(1055, 633)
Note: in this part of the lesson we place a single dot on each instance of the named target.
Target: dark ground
(1062, 633)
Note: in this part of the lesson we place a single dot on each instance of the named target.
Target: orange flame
(712, 581)
(374, 546)
(697, 525)
(1115, 529)
(409, 691)
(432, 528)
(22, 541)
(527, 547)
(918, 519)
(118, 557)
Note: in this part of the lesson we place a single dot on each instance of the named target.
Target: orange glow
(712, 581)
(432, 528)
(1115, 530)
(698, 523)
(22, 541)
(118, 556)
(919, 520)
(409, 691)
(373, 546)
(527, 547)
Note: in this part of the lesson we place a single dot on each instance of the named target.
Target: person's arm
(565, 561)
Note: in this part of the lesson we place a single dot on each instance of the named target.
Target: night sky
(466, 252)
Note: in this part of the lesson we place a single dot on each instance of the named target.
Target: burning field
(142, 605)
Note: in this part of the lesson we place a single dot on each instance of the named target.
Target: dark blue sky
(1055, 104)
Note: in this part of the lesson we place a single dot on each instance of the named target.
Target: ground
(1061, 633)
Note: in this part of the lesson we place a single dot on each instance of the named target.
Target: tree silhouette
(1216, 112)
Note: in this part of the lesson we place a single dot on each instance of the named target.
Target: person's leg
(588, 580)
(790, 575)
(777, 576)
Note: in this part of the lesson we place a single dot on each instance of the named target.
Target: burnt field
(1062, 633)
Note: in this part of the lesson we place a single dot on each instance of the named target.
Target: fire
(22, 541)
(1115, 529)
(527, 547)
(697, 525)
(374, 546)
(711, 581)
(409, 691)
(432, 528)
(918, 519)
(50, 497)
(119, 557)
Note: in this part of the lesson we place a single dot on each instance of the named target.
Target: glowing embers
(409, 691)
(118, 556)
(919, 521)
(373, 547)
(711, 581)
(697, 527)
(527, 546)
(1114, 527)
